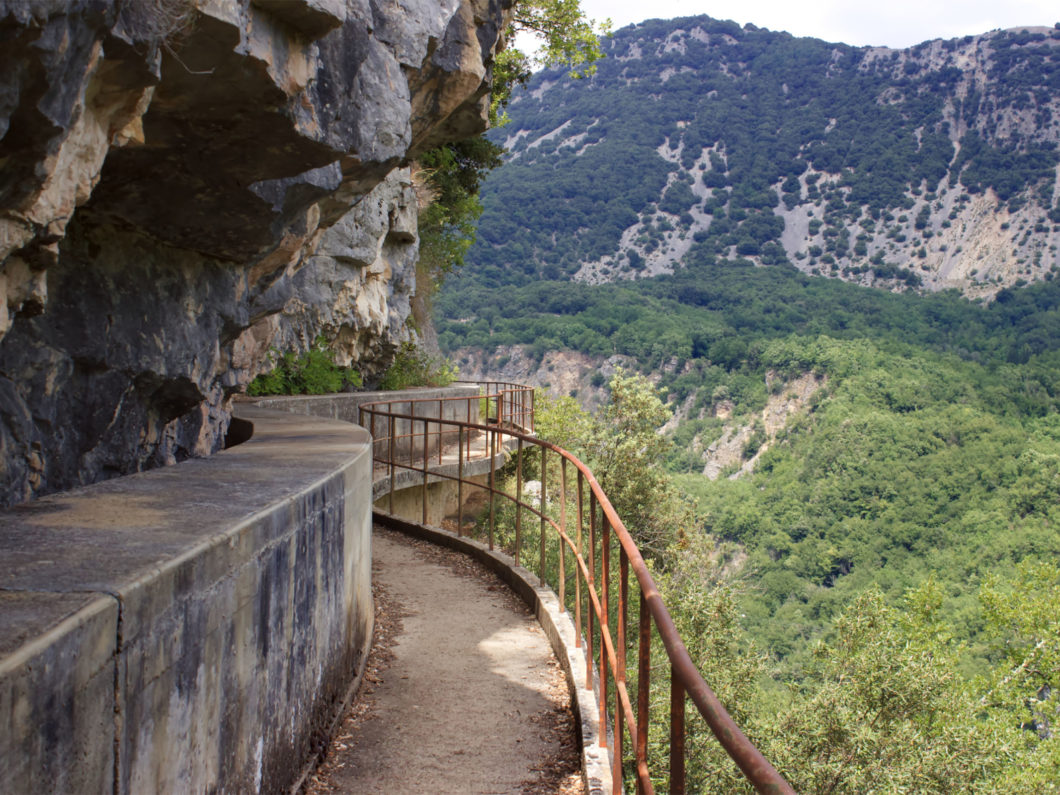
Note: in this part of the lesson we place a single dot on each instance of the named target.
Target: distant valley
(838, 265)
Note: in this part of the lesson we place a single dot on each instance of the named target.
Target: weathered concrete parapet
(449, 403)
(404, 496)
(191, 629)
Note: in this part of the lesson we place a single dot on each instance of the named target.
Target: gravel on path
(462, 693)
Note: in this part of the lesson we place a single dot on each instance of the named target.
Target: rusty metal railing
(586, 528)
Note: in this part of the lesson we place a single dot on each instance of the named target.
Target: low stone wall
(448, 402)
(406, 500)
(190, 629)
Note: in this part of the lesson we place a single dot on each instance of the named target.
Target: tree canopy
(454, 172)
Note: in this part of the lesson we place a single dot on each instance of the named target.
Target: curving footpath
(462, 694)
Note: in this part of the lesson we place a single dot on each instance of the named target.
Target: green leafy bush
(415, 367)
(311, 373)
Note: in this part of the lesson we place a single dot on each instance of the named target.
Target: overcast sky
(890, 23)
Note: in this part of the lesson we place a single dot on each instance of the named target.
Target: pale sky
(890, 23)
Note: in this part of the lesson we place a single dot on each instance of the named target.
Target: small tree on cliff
(452, 173)
(625, 450)
(566, 36)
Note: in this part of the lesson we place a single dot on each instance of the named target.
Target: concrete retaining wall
(443, 501)
(408, 434)
(190, 629)
(442, 493)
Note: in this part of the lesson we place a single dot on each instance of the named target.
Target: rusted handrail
(508, 430)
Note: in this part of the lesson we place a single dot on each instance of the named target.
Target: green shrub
(311, 373)
(415, 367)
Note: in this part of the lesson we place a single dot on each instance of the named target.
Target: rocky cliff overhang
(183, 183)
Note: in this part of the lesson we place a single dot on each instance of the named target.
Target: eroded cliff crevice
(187, 183)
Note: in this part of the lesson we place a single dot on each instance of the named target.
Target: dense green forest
(927, 467)
(718, 310)
(931, 672)
(935, 438)
(700, 128)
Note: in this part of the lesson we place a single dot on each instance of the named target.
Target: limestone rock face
(357, 286)
(186, 183)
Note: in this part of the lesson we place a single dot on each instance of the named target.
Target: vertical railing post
(605, 568)
(620, 664)
(677, 734)
(460, 480)
(440, 430)
(591, 612)
(577, 573)
(541, 532)
(423, 493)
(623, 609)
(519, 503)
(619, 724)
(563, 532)
(493, 490)
(643, 691)
(392, 467)
(605, 619)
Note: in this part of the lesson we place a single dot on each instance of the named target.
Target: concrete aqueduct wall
(442, 493)
(432, 403)
(190, 629)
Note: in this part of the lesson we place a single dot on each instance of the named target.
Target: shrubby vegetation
(311, 373)
(454, 172)
(931, 448)
(721, 311)
(900, 518)
(414, 366)
(624, 450)
(761, 120)
(907, 467)
(883, 700)
(316, 373)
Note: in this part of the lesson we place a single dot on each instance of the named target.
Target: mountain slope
(932, 167)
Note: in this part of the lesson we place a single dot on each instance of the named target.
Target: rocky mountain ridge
(186, 183)
(934, 167)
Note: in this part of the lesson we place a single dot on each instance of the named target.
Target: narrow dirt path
(462, 692)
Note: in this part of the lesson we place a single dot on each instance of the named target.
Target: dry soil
(462, 693)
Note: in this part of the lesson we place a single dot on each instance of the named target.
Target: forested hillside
(697, 139)
(929, 449)
(871, 584)
(838, 267)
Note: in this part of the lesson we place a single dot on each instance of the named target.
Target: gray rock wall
(186, 183)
